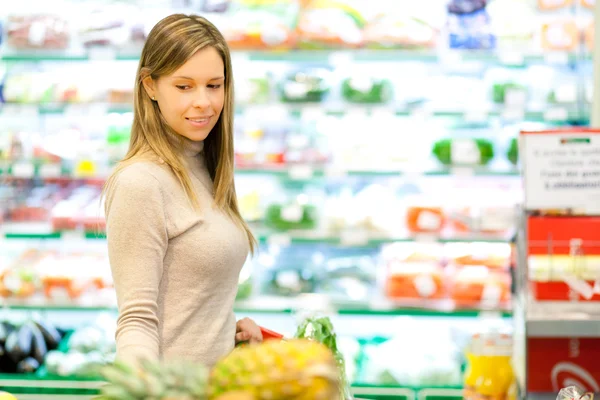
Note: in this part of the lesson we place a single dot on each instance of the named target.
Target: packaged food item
(469, 25)
(414, 280)
(425, 219)
(474, 368)
(588, 3)
(512, 26)
(560, 35)
(589, 36)
(564, 277)
(366, 89)
(330, 24)
(491, 255)
(307, 85)
(432, 349)
(291, 215)
(290, 280)
(413, 25)
(480, 286)
(255, 24)
(348, 279)
(106, 26)
(512, 153)
(37, 31)
(553, 4)
(489, 371)
(509, 93)
(252, 88)
(496, 368)
(496, 218)
(464, 151)
(28, 86)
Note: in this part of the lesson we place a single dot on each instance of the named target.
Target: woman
(176, 239)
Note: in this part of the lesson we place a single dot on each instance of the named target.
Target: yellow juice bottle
(473, 371)
(497, 373)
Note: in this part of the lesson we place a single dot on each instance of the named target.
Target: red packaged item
(415, 280)
(564, 258)
(37, 32)
(425, 219)
(491, 255)
(478, 286)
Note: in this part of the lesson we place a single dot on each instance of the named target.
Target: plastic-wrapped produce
(309, 85)
(433, 356)
(37, 31)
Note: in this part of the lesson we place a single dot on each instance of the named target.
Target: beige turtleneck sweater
(175, 269)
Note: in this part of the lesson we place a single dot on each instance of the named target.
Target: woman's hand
(246, 330)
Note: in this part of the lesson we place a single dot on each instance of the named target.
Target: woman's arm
(137, 243)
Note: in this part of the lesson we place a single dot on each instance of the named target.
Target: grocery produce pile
(308, 367)
(37, 346)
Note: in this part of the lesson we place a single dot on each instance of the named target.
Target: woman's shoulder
(143, 173)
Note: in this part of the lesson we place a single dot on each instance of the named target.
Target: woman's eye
(214, 86)
(182, 87)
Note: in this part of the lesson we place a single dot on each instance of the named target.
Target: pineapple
(278, 370)
(156, 381)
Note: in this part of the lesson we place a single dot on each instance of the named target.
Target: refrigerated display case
(376, 161)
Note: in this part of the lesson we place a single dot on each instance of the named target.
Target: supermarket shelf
(358, 239)
(345, 239)
(38, 386)
(563, 319)
(278, 304)
(553, 113)
(305, 172)
(300, 172)
(287, 305)
(332, 56)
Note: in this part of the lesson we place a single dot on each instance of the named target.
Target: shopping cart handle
(269, 334)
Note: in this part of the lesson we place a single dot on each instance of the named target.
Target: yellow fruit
(296, 369)
(237, 395)
(7, 396)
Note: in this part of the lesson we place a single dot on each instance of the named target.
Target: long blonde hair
(172, 42)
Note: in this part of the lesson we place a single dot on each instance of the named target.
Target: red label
(553, 235)
(555, 363)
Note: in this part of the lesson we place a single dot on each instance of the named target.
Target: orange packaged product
(589, 36)
(588, 3)
(553, 4)
(491, 255)
(478, 286)
(415, 280)
(259, 25)
(560, 35)
(425, 219)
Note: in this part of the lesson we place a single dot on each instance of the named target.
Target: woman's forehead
(206, 64)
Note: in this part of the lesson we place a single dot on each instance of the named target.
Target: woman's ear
(149, 86)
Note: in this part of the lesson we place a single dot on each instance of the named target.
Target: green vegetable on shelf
(501, 92)
(304, 86)
(292, 216)
(464, 151)
(513, 151)
(366, 90)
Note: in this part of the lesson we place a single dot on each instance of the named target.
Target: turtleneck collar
(192, 148)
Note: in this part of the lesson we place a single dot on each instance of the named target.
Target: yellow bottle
(497, 373)
(473, 371)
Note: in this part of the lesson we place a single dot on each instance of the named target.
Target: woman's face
(191, 99)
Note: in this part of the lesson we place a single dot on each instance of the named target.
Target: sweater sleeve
(137, 243)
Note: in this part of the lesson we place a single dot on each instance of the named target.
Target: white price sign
(562, 170)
